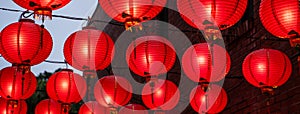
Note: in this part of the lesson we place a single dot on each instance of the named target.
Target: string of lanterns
(25, 44)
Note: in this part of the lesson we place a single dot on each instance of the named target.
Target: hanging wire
(61, 16)
(55, 62)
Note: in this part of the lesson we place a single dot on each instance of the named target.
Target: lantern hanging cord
(60, 16)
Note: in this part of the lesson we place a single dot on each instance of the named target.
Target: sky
(59, 28)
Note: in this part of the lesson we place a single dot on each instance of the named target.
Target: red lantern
(267, 69)
(212, 101)
(17, 107)
(89, 49)
(160, 95)
(224, 13)
(42, 7)
(113, 91)
(280, 17)
(66, 87)
(93, 107)
(150, 56)
(133, 109)
(48, 106)
(202, 62)
(132, 12)
(15, 85)
(25, 43)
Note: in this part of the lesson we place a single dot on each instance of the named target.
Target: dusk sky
(59, 28)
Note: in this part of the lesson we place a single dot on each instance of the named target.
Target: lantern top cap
(26, 20)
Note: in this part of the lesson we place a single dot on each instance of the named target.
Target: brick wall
(240, 40)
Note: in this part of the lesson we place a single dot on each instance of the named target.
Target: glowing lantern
(113, 91)
(25, 44)
(267, 69)
(281, 17)
(212, 101)
(48, 106)
(93, 107)
(160, 95)
(12, 107)
(132, 12)
(223, 13)
(15, 85)
(204, 63)
(133, 109)
(42, 7)
(150, 56)
(66, 87)
(89, 49)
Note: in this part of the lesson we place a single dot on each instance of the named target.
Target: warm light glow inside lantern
(267, 69)
(66, 87)
(25, 43)
(223, 13)
(16, 85)
(280, 17)
(48, 106)
(89, 49)
(150, 56)
(204, 62)
(160, 95)
(132, 12)
(93, 107)
(112, 92)
(211, 101)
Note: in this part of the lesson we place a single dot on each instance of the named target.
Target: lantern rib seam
(191, 6)
(250, 70)
(107, 49)
(148, 10)
(276, 18)
(13, 86)
(235, 10)
(41, 43)
(55, 77)
(191, 63)
(127, 95)
(267, 83)
(18, 42)
(147, 58)
(89, 49)
(284, 71)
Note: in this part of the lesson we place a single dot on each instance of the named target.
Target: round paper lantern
(202, 62)
(160, 95)
(280, 17)
(42, 7)
(66, 87)
(89, 49)
(25, 43)
(150, 56)
(133, 109)
(212, 101)
(48, 106)
(12, 107)
(15, 85)
(223, 13)
(113, 91)
(267, 68)
(93, 107)
(132, 12)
